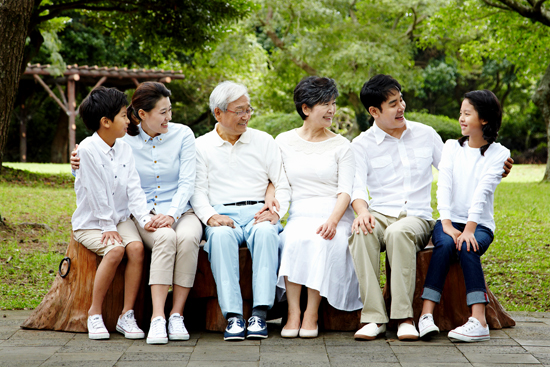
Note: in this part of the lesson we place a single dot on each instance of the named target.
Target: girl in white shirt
(469, 172)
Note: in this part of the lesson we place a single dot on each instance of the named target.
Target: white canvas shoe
(127, 326)
(407, 332)
(370, 331)
(96, 328)
(176, 328)
(472, 331)
(426, 326)
(157, 331)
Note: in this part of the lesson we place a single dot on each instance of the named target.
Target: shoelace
(97, 323)
(158, 327)
(232, 321)
(178, 326)
(470, 325)
(252, 321)
(131, 321)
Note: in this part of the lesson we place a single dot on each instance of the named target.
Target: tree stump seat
(65, 306)
(452, 311)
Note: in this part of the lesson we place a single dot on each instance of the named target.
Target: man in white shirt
(394, 161)
(234, 168)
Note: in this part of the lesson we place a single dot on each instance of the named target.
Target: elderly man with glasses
(234, 167)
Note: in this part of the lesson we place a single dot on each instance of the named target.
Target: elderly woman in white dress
(320, 168)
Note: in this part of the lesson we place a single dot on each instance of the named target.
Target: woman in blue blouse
(165, 160)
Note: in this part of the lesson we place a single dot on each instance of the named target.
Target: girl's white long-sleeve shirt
(467, 182)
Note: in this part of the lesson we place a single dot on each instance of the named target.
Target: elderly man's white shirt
(397, 172)
(232, 173)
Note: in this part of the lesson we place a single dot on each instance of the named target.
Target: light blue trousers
(222, 247)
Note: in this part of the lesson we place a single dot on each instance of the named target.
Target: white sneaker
(176, 328)
(472, 331)
(127, 326)
(407, 331)
(157, 331)
(426, 326)
(370, 331)
(96, 328)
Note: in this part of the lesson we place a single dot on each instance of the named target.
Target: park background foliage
(438, 50)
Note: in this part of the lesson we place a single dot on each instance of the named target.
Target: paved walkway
(527, 344)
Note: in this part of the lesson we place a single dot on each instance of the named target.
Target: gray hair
(225, 93)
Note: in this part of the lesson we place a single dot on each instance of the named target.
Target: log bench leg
(452, 311)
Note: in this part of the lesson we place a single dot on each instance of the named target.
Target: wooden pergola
(121, 78)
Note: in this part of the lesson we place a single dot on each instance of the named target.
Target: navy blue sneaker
(257, 328)
(234, 329)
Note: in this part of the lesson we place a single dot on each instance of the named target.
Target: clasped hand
(460, 237)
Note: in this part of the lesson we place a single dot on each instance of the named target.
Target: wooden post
(72, 113)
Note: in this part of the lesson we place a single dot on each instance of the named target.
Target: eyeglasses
(250, 111)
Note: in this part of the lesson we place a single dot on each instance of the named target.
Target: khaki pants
(175, 251)
(91, 238)
(402, 238)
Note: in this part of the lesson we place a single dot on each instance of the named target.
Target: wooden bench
(65, 306)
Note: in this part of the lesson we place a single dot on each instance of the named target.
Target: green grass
(48, 168)
(517, 265)
(29, 257)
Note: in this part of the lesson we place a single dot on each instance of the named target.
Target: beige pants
(402, 238)
(91, 238)
(175, 251)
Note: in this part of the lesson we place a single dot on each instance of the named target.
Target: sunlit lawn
(517, 264)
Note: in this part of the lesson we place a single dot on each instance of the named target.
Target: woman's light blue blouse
(166, 168)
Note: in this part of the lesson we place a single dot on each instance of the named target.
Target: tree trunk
(15, 16)
(59, 152)
(541, 98)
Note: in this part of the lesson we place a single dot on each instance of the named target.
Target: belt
(243, 203)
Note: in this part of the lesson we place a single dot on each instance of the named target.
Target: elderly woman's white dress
(317, 173)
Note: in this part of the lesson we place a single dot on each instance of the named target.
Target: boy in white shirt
(107, 191)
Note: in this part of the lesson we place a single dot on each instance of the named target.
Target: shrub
(446, 127)
(276, 123)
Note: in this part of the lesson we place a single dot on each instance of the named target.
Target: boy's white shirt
(107, 186)
(467, 182)
(397, 172)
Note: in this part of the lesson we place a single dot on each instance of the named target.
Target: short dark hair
(102, 102)
(377, 90)
(145, 98)
(313, 90)
(488, 108)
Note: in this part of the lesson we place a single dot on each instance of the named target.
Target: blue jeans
(445, 252)
(222, 246)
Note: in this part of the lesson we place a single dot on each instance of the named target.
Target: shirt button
(153, 146)
(115, 176)
(159, 188)
(155, 197)
(157, 176)
(155, 203)
(155, 161)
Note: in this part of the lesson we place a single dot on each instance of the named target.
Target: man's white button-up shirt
(397, 172)
(229, 173)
